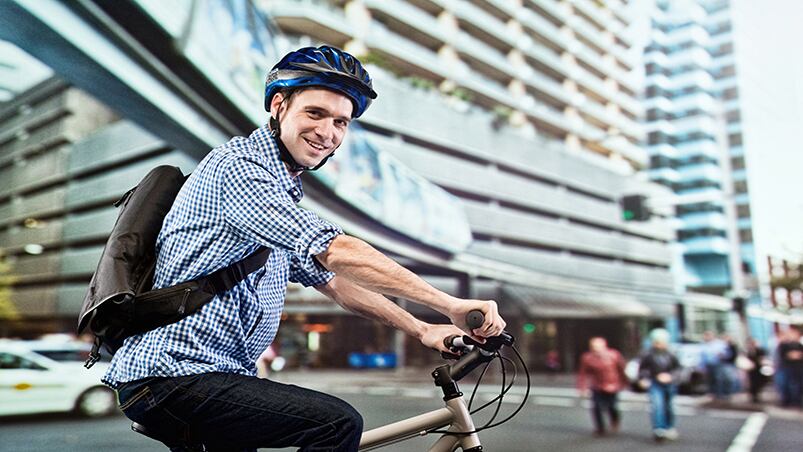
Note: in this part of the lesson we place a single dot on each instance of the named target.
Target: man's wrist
(419, 329)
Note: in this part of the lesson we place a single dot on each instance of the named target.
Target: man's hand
(493, 325)
(435, 334)
(664, 378)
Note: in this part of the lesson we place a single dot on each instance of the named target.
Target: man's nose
(325, 130)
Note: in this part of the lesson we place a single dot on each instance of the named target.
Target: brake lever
(452, 356)
(455, 351)
(493, 343)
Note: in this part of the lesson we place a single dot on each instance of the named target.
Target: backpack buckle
(94, 355)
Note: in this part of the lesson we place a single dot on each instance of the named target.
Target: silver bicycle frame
(455, 414)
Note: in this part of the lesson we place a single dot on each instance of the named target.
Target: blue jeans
(792, 389)
(661, 409)
(230, 412)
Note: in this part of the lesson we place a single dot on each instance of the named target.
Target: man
(605, 367)
(659, 373)
(713, 352)
(195, 380)
(756, 354)
(790, 356)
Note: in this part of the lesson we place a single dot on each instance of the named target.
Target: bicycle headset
(325, 67)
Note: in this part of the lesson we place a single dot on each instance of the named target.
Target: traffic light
(634, 208)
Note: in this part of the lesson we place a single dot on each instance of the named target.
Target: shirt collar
(262, 140)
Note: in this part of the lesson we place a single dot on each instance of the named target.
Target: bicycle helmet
(324, 67)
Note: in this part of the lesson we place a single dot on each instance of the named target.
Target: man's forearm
(359, 262)
(372, 305)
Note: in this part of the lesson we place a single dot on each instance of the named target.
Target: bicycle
(461, 432)
(456, 415)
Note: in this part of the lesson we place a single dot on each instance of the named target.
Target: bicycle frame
(455, 414)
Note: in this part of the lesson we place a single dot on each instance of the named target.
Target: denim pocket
(143, 409)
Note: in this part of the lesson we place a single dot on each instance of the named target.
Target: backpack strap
(226, 278)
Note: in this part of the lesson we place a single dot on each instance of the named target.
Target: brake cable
(499, 397)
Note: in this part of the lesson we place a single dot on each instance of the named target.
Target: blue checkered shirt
(239, 197)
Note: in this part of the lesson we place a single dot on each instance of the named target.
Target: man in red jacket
(605, 368)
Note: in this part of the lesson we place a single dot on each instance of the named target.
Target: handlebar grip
(448, 341)
(475, 319)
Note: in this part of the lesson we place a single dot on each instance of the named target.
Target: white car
(31, 382)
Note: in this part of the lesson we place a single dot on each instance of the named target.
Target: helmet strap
(284, 154)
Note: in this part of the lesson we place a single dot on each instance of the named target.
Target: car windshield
(64, 355)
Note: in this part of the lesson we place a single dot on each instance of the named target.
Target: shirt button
(294, 192)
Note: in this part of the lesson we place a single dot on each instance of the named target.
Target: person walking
(659, 372)
(755, 355)
(790, 356)
(713, 351)
(603, 370)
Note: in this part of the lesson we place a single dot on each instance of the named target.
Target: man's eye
(341, 123)
(314, 113)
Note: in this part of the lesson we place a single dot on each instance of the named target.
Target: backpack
(119, 301)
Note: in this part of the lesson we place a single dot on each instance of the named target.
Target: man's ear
(275, 104)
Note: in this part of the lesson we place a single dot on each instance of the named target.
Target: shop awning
(555, 303)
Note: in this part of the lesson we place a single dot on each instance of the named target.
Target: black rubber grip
(475, 319)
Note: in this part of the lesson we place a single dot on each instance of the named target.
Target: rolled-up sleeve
(257, 207)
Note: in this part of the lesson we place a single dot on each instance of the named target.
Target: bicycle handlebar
(475, 319)
(482, 352)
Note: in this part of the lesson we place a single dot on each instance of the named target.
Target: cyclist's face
(313, 123)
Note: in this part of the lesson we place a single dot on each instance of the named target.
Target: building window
(730, 93)
(698, 184)
(657, 138)
(727, 71)
(655, 114)
(702, 207)
(733, 116)
(743, 210)
(740, 186)
(699, 233)
(737, 163)
(746, 235)
(735, 139)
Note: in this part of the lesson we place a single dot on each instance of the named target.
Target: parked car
(692, 374)
(31, 382)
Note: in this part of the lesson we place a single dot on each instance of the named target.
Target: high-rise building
(695, 141)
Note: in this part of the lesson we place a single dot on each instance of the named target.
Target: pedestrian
(713, 350)
(790, 354)
(731, 379)
(194, 381)
(552, 363)
(605, 368)
(756, 380)
(659, 373)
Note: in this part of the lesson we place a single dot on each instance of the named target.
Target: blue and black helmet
(326, 67)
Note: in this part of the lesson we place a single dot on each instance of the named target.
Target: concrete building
(517, 122)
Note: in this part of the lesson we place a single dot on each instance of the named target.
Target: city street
(554, 419)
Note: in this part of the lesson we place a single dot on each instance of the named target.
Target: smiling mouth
(316, 146)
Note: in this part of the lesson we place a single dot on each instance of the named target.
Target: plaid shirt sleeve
(257, 208)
